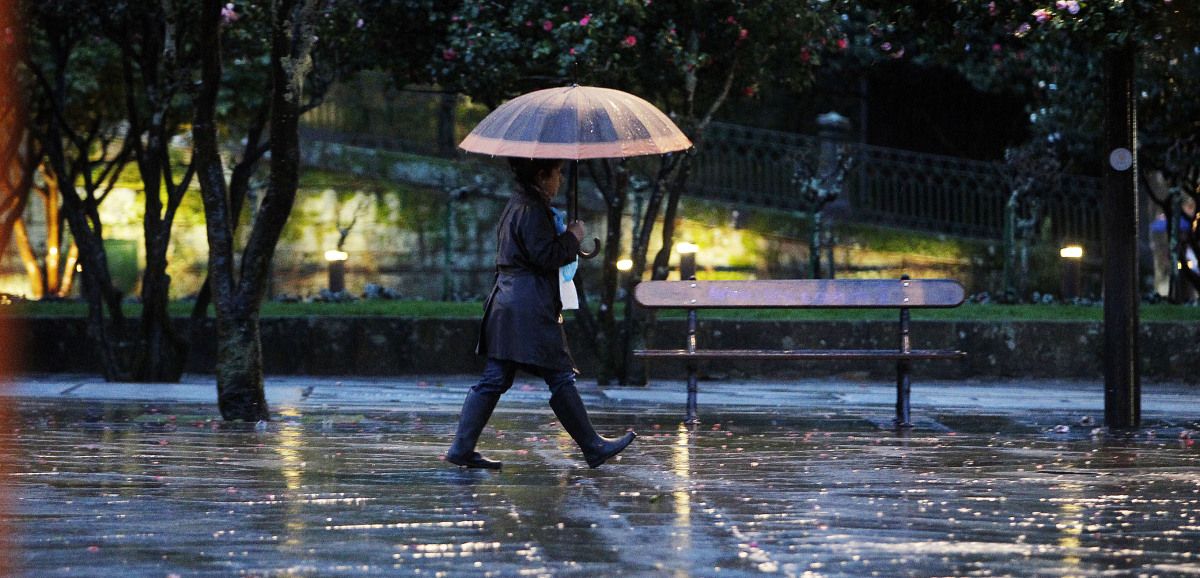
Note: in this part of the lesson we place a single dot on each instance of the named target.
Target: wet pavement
(998, 478)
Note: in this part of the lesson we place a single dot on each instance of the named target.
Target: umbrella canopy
(576, 122)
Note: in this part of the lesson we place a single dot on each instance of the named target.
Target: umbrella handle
(590, 254)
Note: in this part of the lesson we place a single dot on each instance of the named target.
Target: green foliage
(662, 50)
(1051, 51)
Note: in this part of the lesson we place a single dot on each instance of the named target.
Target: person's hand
(576, 228)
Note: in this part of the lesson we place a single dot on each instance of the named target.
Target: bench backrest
(800, 293)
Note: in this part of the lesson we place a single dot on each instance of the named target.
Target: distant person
(522, 319)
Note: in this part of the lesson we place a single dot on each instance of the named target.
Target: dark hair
(526, 172)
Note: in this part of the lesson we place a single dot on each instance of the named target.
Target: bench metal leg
(903, 387)
(691, 418)
(692, 389)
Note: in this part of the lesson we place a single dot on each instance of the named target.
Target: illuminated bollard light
(687, 260)
(337, 270)
(1072, 256)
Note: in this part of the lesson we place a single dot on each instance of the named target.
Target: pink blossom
(585, 20)
(1042, 15)
(547, 25)
(449, 54)
(886, 46)
(842, 43)
(359, 24)
(805, 55)
(1022, 30)
(992, 10)
(572, 51)
(742, 34)
(996, 47)
(630, 41)
(750, 90)
(228, 15)
(731, 20)
(1071, 6)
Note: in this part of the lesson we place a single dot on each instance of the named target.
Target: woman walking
(522, 319)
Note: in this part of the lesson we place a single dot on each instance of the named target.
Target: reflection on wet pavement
(138, 490)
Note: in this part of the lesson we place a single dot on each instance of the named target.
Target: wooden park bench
(903, 294)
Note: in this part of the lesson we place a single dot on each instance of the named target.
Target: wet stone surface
(138, 489)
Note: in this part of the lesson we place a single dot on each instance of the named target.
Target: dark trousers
(498, 376)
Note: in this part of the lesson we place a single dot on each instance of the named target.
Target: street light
(337, 269)
(687, 260)
(1071, 256)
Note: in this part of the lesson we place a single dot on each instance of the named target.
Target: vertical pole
(1122, 388)
(693, 387)
(687, 272)
(903, 366)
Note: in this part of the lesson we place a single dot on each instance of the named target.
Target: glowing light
(335, 255)
(686, 248)
(625, 265)
(1071, 252)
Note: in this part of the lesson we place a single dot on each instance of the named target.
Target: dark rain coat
(522, 318)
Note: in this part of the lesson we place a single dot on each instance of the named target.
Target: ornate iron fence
(755, 167)
(887, 186)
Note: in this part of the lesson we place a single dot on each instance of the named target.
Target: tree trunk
(37, 282)
(240, 392)
(165, 351)
(238, 297)
(107, 335)
(615, 342)
(632, 370)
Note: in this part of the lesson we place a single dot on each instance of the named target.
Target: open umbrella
(573, 123)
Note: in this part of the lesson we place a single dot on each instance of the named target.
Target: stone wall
(380, 346)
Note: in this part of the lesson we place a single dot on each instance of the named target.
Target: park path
(998, 479)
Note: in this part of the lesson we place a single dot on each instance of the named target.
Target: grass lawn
(472, 309)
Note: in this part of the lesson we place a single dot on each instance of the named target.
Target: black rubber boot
(476, 410)
(570, 411)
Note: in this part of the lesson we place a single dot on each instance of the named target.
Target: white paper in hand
(566, 292)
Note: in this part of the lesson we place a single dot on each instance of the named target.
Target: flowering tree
(689, 57)
(1054, 52)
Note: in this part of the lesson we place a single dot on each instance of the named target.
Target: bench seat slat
(799, 354)
(799, 293)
